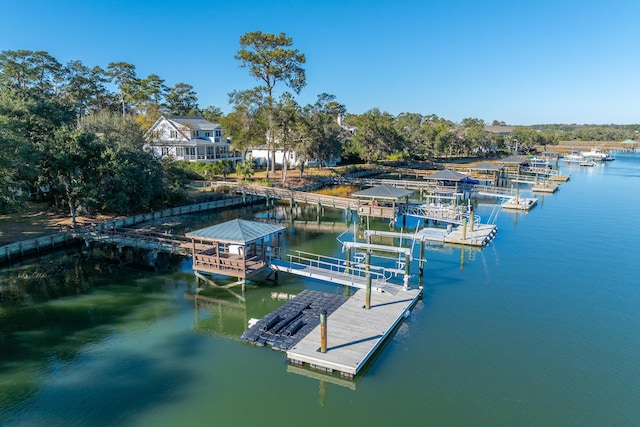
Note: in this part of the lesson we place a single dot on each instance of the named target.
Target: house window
(179, 151)
(165, 151)
(218, 133)
(207, 134)
(173, 134)
(194, 133)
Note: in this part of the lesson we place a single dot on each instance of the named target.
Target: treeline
(591, 132)
(72, 135)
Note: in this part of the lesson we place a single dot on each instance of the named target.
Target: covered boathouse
(236, 248)
(382, 201)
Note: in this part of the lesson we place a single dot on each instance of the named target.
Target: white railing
(335, 267)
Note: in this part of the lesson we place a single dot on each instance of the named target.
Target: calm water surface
(542, 327)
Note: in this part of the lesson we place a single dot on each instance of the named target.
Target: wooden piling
(323, 331)
(367, 298)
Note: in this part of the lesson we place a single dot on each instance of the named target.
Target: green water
(542, 327)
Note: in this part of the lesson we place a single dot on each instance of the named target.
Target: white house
(190, 138)
(262, 156)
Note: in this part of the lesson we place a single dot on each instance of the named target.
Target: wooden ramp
(353, 332)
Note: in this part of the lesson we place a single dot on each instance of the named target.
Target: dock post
(367, 297)
(323, 331)
(464, 228)
(407, 264)
(471, 220)
(421, 263)
(348, 260)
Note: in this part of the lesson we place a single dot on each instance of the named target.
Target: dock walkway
(353, 332)
(336, 271)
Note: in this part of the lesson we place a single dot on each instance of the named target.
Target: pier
(353, 333)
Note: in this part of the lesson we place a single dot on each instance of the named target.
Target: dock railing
(335, 267)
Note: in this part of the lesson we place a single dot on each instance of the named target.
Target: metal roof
(513, 159)
(237, 231)
(447, 175)
(485, 166)
(384, 191)
(194, 122)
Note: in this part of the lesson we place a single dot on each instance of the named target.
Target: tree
(410, 126)
(376, 136)
(181, 100)
(128, 178)
(213, 114)
(287, 127)
(246, 124)
(85, 87)
(270, 60)
(30, 72)
(123, 75)
(15, 156)
(72, 158)
(525, 139)
(322, 137)
(245, 169)
(222, 167)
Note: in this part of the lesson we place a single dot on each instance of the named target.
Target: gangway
(335, 270)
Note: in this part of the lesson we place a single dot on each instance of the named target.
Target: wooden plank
(353, 332)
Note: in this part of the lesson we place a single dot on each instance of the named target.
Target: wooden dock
(354, 333)
(545, 187)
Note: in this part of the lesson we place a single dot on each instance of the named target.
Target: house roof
(194, 122)
(384, 191)
(485, 166)
(447, 175)
(629, 142)
(237, 231)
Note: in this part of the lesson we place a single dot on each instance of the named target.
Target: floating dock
(546, 187)
(481, 235)
(353, 332)
(559, 178)
(520, 203)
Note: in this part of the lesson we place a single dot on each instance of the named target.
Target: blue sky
(522, 62)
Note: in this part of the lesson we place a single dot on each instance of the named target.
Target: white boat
(597, 156)
(574, 157)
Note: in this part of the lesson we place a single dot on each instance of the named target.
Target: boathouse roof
(513, 159)
(485, 166)
(236, 231)
(384, 191)
(447, 175)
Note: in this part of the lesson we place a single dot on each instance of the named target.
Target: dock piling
(323, 331)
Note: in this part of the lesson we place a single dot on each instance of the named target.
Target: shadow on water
(110, 395)
(50, 311)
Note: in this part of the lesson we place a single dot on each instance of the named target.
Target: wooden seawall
(14, 251)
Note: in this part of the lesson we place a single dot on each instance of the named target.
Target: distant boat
(587, 162)
(574, 157)
(597, 156)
